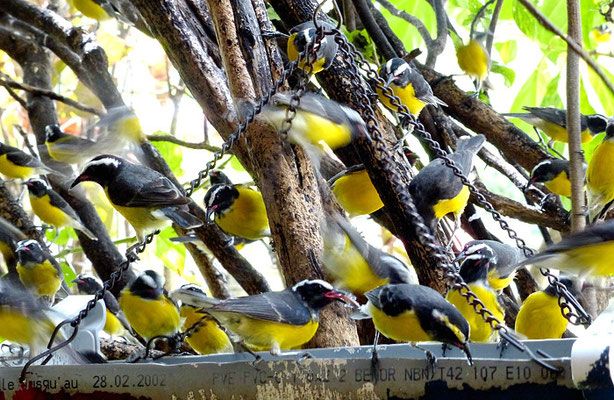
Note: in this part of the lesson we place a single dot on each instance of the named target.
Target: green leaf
(171, 254)
(508, 74)
(272, 13)
(507, 50)
(363, 42)
(236, 164)
(552, 97)
(68, 272)
(172, 153)
(405, 31)
(585, 105)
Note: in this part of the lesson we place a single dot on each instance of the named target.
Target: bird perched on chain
(355, 191)
(554, 174)
(437, 191)
(302, 38)
(502, 264)
(585, 253)
(415, 313)
(540, 315)
(39, 272)
(354, 263)
(474, 61)
(408, 85)
(67, 148)
(116, 323)
(16, 164)
(474, 272)
(599, 179)
(146, 198)
(553, 122)
(318, 121)
(238, 210)
(271, 321)
(209, 338)
(147, 307)
(52, 209)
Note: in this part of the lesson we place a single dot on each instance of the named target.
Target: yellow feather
(149, 318)
(113, 326)
(560, 185)
(599, 177)
(209, 338)
(246, 217)
(479, 330)
(407, 95)
(473, 60)
(293, 56)
(47, 213)
(43, 279)
(404, 327)
(90, 9)
(455, 205)
(356, 193)
(24, 329)
(13, 171)
(540, 317)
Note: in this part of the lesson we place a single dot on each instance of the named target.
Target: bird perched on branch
(148, 309)
(599, 178)
(474, 61)
(209, 338)
(437, 191)
(553, 122)
(238, 210)
(16, 164)
(354, 263)
(415, 313)
(146, 198)
(355, 191)
(271, 321)
(302, 37)
(585, 253)
(408, 84)
(554, 174)
(601, 33)
(38, 270)
(67, 148)
(502, 264)
(540, 315)
(52, 209)
(474, 272)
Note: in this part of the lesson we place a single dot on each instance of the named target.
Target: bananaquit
(67, 148)
(146, 198)
(355, 264)
(437, 191)
(540, 315)
(91, 9)
(601, 33)
(502, 264)
(9, 236)
(148, 309)
(302, 35)
(116, 323)
(271, 321)
(474, 61)
(554, 174)
(37, 269)
(408, 85)
(16, 164)
(209, 338)
(415, 313)
(318, 120)
(553, 122)
(585, 253)
(599, 178)
(355, 191)
(238, 210)
(475, 273)
(52, 209)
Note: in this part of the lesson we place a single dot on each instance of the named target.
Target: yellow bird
(38, 270)
(599, 177)
(16, 164)
(209, 338)
(303, 35)
(238, 210)
(148, 310)
(601, 33)
(67, 148)
(271, 321)
(355, 191)
(475, 273)
(474, 61)
(408, 84)
(52, 209)
(91, 9)
(540, 315)
(554, 174)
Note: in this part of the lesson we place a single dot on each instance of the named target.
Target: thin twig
(490, 35)
(436, 47)
(173, 139)
(478, 16)
(426, 36)
(374, 30)
(10, 83)
(14, 95)
(546, 23)
(26, 140)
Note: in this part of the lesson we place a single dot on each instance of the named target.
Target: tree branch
(437, 46)
(490, 36)
(374, 30)
(174, 140)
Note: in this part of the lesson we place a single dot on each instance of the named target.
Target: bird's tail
(472, 144)
(181, 217)
(90, 235)
(193, 298)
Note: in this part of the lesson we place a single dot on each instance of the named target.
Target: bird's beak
(529, 183)
(345, 297)
(208, 214)
(21, 248)
(80, 178)
(390, 80)
(77, 280)
(460, 257)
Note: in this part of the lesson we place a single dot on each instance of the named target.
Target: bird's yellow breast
(246, 217)
(149, 318)
(261, 335)
(599, 176)
(42, 278)
(455, 205)
(141, 218)
(113, 326)
(407, 95)
(13, 171)
(356, 194)
(293, 56)
(46, 212)
(404, 327)
(209, 338)
(23, 329)
(315, 129)
(497, 282)
(473, 60)
(479, 331)
(90, 9)
(560, 185)
(540, 317)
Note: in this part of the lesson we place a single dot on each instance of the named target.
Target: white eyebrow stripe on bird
(477, 247)
(545, 162)
(404, 67)
(214, 194)
(26, 243)
(42, 181)
(313, 281)
(105, 161)
(148, 280)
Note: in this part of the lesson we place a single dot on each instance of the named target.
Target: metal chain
(423, 232)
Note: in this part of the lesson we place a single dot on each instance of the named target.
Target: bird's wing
(550, 114)
(23, 159)
(149, 191)
(58, 201)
